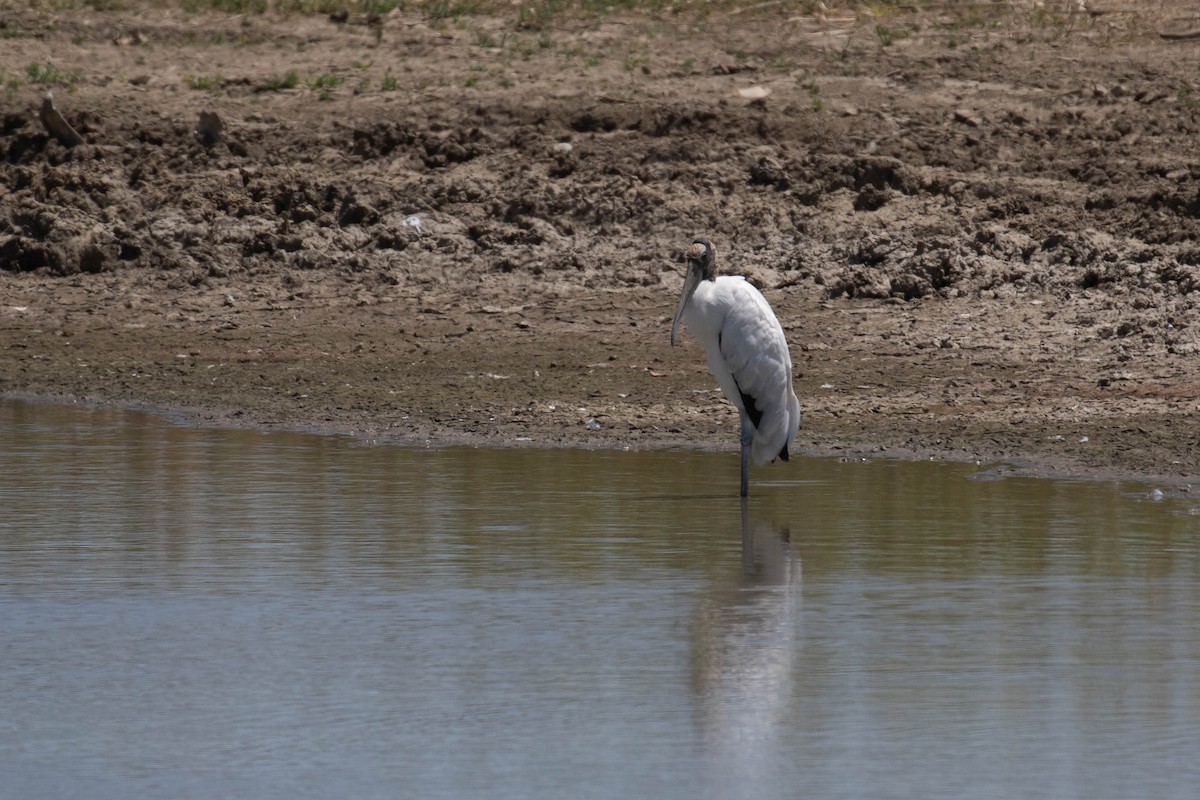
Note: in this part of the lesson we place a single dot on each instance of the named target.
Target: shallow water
(212, 613)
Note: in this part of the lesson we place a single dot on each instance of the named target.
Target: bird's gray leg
(747, 437)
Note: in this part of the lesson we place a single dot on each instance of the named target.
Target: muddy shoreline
(980, 237)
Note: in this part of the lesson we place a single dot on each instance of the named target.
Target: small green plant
(842, 55)
(631, 63)
(445, 9)
(809, 85)
(592, 61)
(1186, 98)
(1044, 18)
(471, 83)
(388, 84)
(324, 83)
(888, 36)
(205, 83)
(883, 9)
(288, 81)
(33, 32)
(49, 75)
(969, 16)
(521, 48)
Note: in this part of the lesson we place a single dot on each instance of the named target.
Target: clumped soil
(980, 229)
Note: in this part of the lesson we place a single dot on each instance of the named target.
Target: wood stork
(747, 354)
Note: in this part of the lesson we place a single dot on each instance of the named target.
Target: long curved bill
(690, 282)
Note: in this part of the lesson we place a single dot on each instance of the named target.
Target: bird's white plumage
(747, 354)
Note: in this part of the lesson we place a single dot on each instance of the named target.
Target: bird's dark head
(702, 257)
(701, 261)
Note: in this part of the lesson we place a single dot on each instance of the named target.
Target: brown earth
(980, 227)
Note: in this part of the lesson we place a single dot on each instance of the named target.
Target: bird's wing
(755, 352)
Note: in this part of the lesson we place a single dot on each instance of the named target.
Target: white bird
(747, 354)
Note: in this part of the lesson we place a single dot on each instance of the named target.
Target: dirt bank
(980, 232)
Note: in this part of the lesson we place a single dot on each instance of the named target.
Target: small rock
(414, 222)
(967, 118)
(768, 172)
(754, 92)
(208, 128)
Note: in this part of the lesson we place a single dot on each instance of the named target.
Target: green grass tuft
(49, 75)
(205, 83)
(448, 9)
(324, 83)
(288, 81)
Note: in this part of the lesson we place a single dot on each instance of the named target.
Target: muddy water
(210, 613)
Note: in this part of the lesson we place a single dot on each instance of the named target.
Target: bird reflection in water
(743, 649)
